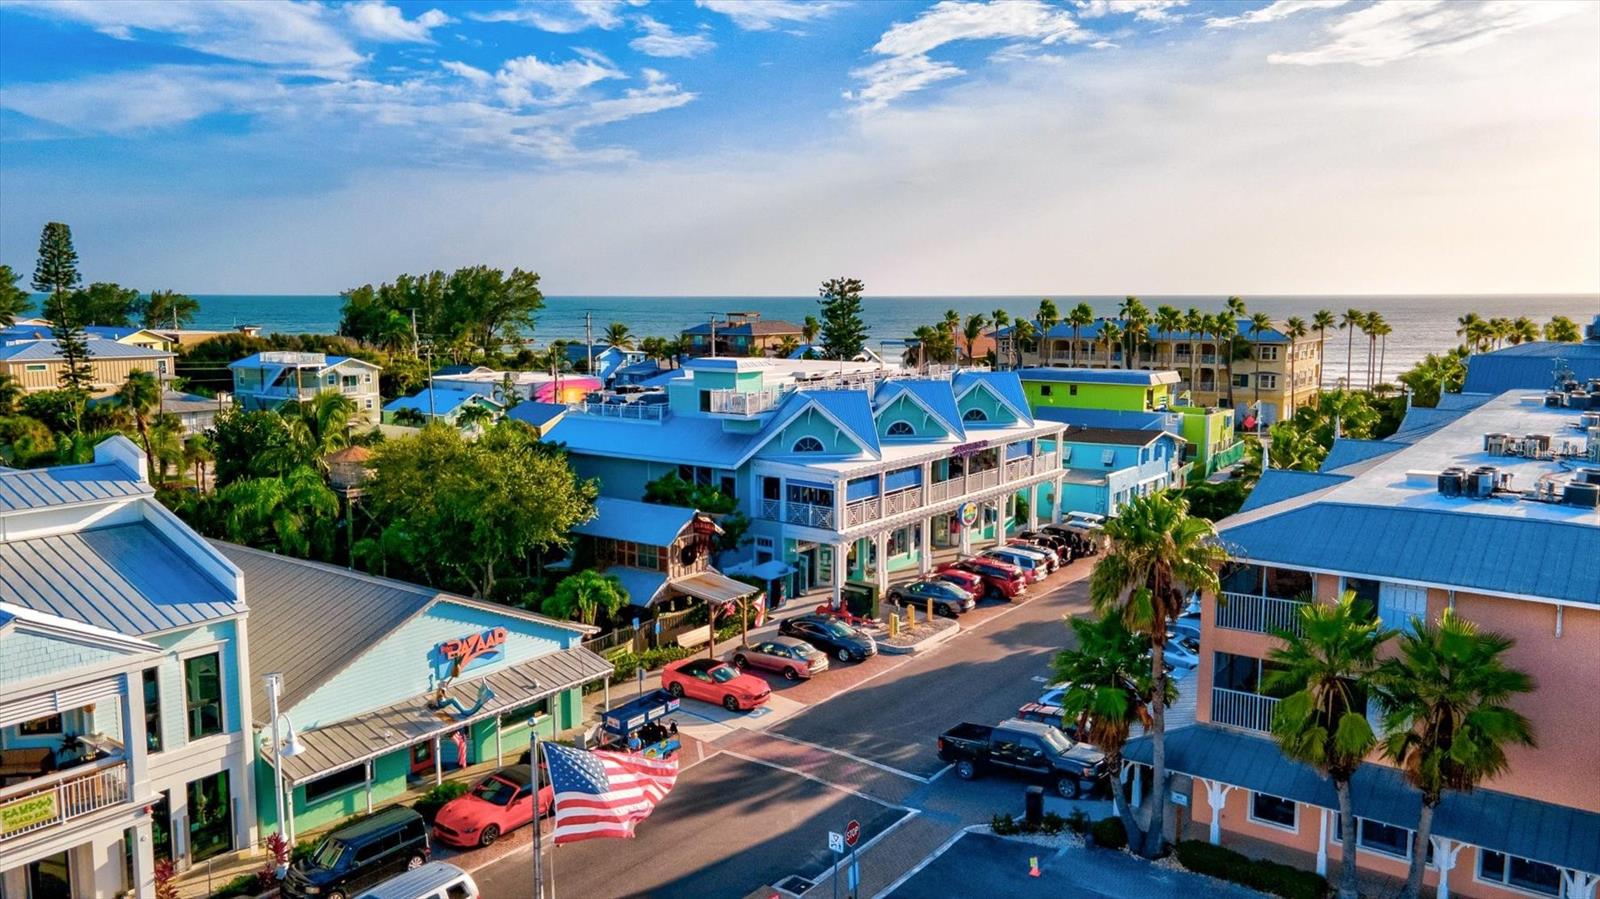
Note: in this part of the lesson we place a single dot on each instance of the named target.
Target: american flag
(604, 794)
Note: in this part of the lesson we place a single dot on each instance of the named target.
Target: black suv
(360, 855)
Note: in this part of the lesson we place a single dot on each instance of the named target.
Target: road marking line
(829, 784)
(851, 756)
(833, 869)
(927, 861)
(942, 772)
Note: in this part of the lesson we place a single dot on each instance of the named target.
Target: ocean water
(1422, 324)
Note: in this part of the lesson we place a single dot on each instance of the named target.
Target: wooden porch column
(368, 766)
(925, 553)
(880, 544)
(1322, 842)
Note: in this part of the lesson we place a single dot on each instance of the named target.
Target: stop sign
(852, 832)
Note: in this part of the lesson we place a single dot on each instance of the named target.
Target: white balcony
(60, 797)
(732, 402)
(1258, 614)
(1237, 708)
(628, 411)
(812, 516)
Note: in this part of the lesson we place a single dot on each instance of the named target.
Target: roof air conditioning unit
(1536, 445)
(1496, 444)
(1589, 420)
(1451, 481)
(1583, 495)
(1554, 399)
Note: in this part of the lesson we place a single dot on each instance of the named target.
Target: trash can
(1033, 806)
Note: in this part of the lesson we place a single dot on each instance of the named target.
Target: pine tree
(56, 273)
(57, 269)
(13, 299)
(843, 331)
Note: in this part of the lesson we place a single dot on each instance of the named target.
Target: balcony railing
(630, 411)
(1237, 708)
(772, 509)
(1258, 614)
(940, 491)
(732, 402)
(51, 800)
(810, 515)
(903, 500)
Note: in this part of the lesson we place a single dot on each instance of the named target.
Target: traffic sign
(836, 841)
(852, 832)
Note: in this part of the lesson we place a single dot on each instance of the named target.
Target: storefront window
(202, 684)
(161, 827)
(337, 782)
(152, 709)
(210, 817)
(1520, 873)
(1274, 810)
(50, 878)
(521, 715)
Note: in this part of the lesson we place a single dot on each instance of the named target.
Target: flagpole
(538, 843)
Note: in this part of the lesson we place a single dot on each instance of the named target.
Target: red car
(711, 681)
(1000, 580)
(844, 614)
(497, 805)
(966, 580)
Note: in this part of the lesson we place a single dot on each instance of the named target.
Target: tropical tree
(1370, 324)
(934, 344)
(139, 394)
(1353, 320)
(810, 328)
(1135, 325)
(1259, 322)
(1000, 318)
(1295, 329)
(1446, 697)
(196, 453)
(1468, 327)
(474, 416)
(584, 596)
(1562, 330)
(1381, 329)
(844, 332)
(410, 417)
(1326, 671)
(1079, 317)
(1437, 373)
(617, 335)
(170, 309)
(1523, 330)
(1168, 321)
(1194, 322)
(1109, 690)
(787, 345)
(971, 331)
(1499, 330)
(1022, 334)
(13, 299)
(322, 425)
(1321, 321)
(1110, 336)
(1224, 330)
(56, 273)
(106, 303)
(11, 393)
(294, 514)
(1048, 317)
(1158, 555)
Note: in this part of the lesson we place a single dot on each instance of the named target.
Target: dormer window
(808, 445)
(975, 415)
(901, 429)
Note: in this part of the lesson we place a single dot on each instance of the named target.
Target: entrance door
(161, 827)
(1398, 603)
(210, 817)
(50, 878)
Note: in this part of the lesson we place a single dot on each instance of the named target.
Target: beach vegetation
(844, 331)
(476, 307)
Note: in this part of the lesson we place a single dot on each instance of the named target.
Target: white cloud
(1272, 12)
(764, 15)
(908, 67)
(303, 34)
(559, 16)
(1143, 10)
(471, 73)
(133, 102)
(528, 80)
(377, 20)
(1389, 31)
(660, 40)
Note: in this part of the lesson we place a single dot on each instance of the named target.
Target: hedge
(1108, 833)
(1268, 876)
(433, 800)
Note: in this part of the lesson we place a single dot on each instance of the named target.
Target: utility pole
(426, 349)
(713, 335)
(588, 340)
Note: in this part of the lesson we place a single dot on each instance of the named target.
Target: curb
(933, 639)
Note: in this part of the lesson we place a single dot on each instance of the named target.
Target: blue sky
(757, 146)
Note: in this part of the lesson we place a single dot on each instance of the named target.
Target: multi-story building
(37, 363)
(1105, 468)
(273, 379)
(123, 704)
(1483, 506)
(1145, 400)
(740, 334)
(848, 471)
(658, 553)
(1256, 374)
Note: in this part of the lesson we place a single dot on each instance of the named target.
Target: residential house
(37, 364)
(195, 413)
(1485, 507)
(740, 334)
(537, 386)
(123, 715)
(38, 329)
(1105, 468)
(601, 360)
(273, 379)
(440, 404)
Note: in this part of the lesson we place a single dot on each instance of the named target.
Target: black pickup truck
(1027, 749)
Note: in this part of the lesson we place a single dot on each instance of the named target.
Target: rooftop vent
(1452, 480)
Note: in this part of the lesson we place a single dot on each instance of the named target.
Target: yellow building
(36, 364)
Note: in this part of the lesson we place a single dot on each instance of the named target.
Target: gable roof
(1005, 385)
(49, 350)
(36, 488)
(444, 400)
(625, 519)
(1279, 484)
(1529, 366)
(937, 397)
(1116, 436)
(540, 415)
(849, 410)
(1348, 451)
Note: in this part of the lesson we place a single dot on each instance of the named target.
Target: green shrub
(243, 885)
(1078, 821)
(625, 662)
(1052, 824)
(1004, 825)
(1271, 877)
(1108, 833)
(433, 800)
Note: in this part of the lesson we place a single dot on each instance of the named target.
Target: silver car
(794, 659)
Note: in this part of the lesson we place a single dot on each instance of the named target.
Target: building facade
(740, 334)
(122, 719)
(1389, 521)
(271, 380)
(37, 364)
(662, 555)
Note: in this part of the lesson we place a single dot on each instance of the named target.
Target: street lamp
(281, 749)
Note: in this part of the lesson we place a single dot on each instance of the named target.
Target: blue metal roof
(1529, 366)
(680, 439)
(1091, 330)
(1278, 484)
(626, 519)
(642, 586)
(1134, 378)
(936, 395)
(1349, 451)
(540, 415)
(444, 400)
(99, 348)
(1107, 418)
(1005, 384)
(1530, 557)
(1542, 831)
(851, 408)
(36, 488)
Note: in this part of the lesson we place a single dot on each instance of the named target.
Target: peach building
(1489, 506)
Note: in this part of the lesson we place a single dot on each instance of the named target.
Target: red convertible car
(498, 804)
(712, 681)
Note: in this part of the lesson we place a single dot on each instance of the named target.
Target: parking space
(692, 846)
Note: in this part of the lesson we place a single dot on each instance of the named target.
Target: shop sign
(466, 650)
(29, 812)
(704, 526)
(967, 449)
(969, 513)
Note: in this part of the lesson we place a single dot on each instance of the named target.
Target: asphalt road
(727, 826)
(982, 675)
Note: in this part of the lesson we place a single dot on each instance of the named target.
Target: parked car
(360, 855)
(496, 805)
(1053, 715)
(1034, 567)
(1001, 580)
(1027, 749)
(948, 599)
(844, 614)
(1053, 694)
(830, 635)
(1050, 555)
(794, 659)
(435, 880)
(709, 680)
(1181, 651)
(966, 580)
(1061, 545)
(1188, 625)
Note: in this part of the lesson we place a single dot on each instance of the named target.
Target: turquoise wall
(25, 656)
(812, 423)
(903, 408)
(981, 397)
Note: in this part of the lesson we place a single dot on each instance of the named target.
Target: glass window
(1044, 390)
(1380, 837)
(152, 709)
(975, 415)
(202, 690)
(1520, 873)
(901, 429)
(1241, 380)
(808, 445)
(48, 726)
(210, 816)
(337, 782)
(520, 715)
(1274, 810)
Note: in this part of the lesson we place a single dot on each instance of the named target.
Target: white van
(435, 880)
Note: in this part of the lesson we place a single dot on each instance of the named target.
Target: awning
(382, 731)
(643, 587)
(765, 571)
(713, 586)
(1516, 825)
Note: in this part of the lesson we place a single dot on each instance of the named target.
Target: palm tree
(1523, 330)
(1327, 671)
(196, 453)
(1374, 321)
(1109, 690)
(474, 416)
(787, 346)
(973, 329)
(410, 417)
(1168, 321)
(1158, 554)
(323, 425)
(1111, 336)
(1022, 331)
(1446, 698)
(810, 328)
(1000, 318)
(1294, 329)
(1258, 323)
(1078, 317)
(140, 393)
(1466, 325)
(1225, 329)
(1481, 335)
(1048, 317)
(1561, 329)
(1500, 329)
(1321, 321)
(293, 514)
(1194, 321)
(617, 335)
(1352, 320)
(10, 393)
(1135, 321)
(1381, 329)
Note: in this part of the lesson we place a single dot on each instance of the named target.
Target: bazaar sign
(464, 651)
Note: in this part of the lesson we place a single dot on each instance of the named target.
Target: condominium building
(273, 379)
(1490, 506)
(123, 706)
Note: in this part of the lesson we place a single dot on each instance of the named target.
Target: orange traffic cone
(1033, 866)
